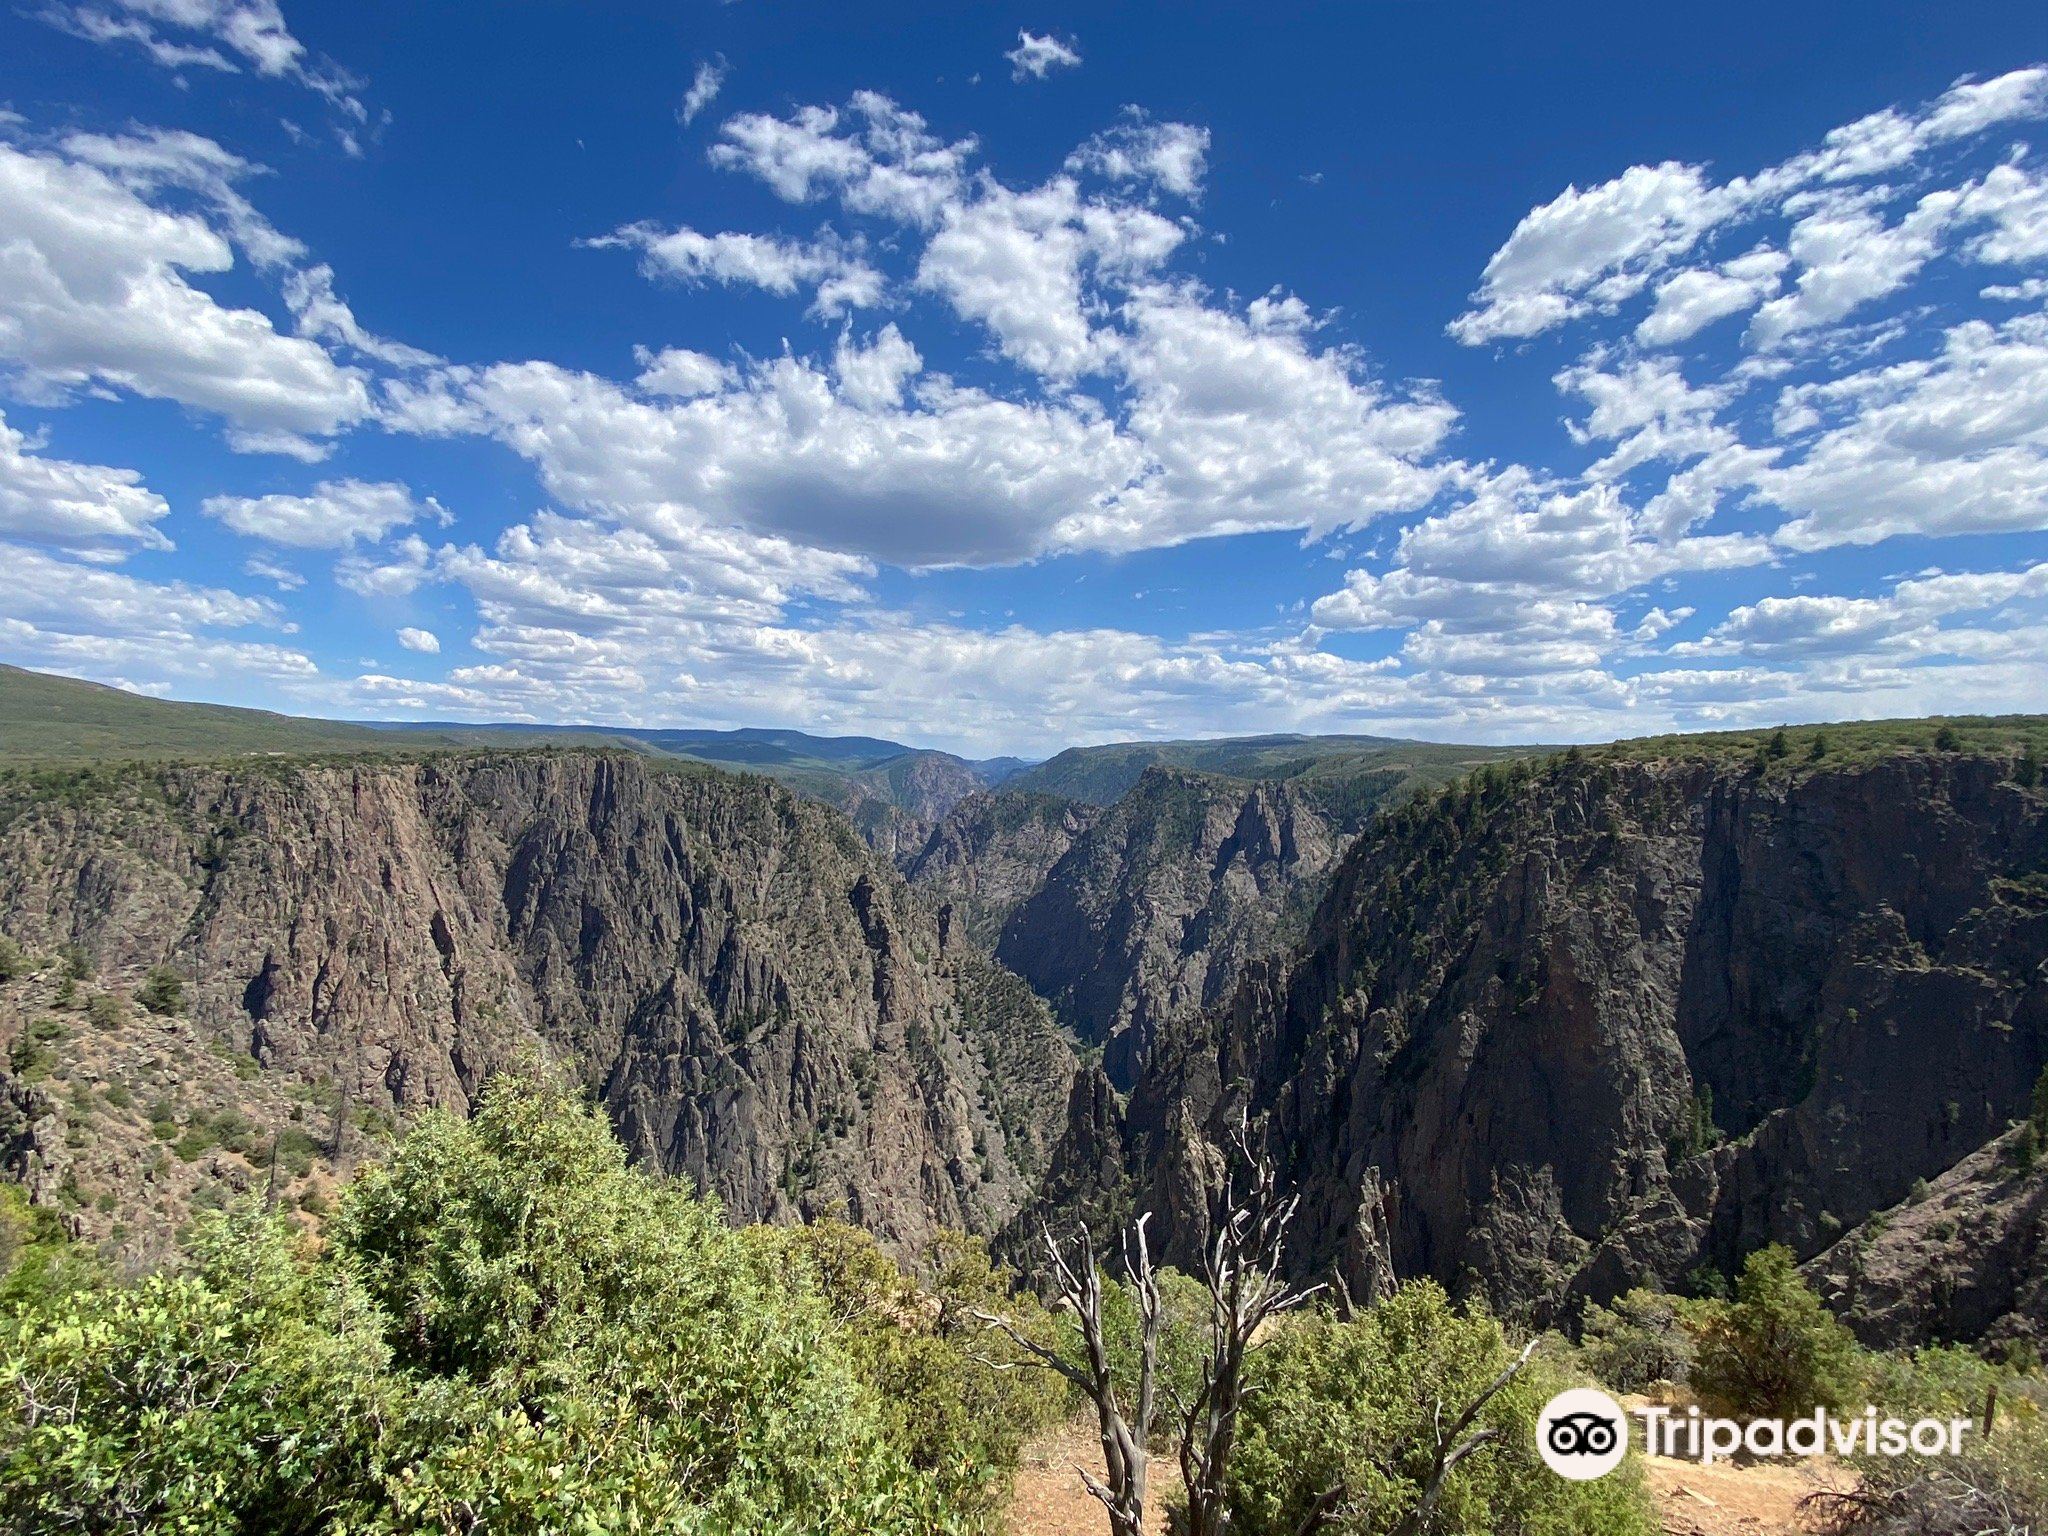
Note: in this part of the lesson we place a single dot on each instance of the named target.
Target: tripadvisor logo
(1583, 1434)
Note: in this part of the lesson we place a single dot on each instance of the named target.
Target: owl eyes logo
(1581, 1434)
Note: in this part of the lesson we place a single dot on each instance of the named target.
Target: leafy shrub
(1641, 1339)
(1774, 1351)
(506, 1329)
(162, 992)
(1353, 1405)
(293, 1151)
(13, 962)
(1994, 1487)
(959, 1419)
(105, 1011)
(518, 1255)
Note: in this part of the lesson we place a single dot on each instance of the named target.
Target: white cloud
(281, 576)
(325, 316)
(1037, 56)
(90, 621)
(877, 158)
(1590, 248)
(1905, 625)
(1175, 156)
(1520, 581)
(1957, 443)
(92, 292)
(336, 514)
(1848, 256)
(834, 270)
(89, 508)
(704, 88)
(1587, 251)
(1692, 300)
(423, 640)
(221, 35)
(680, 372)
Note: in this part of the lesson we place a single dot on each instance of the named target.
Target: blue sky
(1001, 378)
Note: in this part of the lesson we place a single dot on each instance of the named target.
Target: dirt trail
(1691, 1500)
(1729, 1500)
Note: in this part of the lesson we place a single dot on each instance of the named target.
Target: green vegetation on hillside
(1101, 775)
(1810, 747)
(1774, 1351)
(506, 1329)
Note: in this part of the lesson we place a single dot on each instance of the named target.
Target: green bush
(13, 962)
(293, 1151)
(162, 991)
(1353, 1405)
(105, 1011)
(1997, 1485)
(1640, 1340)
(506, 1329)
(923, 1351)
(1774, 1351)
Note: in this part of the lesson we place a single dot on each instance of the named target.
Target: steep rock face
(896, 805)
(1497, 1048)
(991, 854)
(1967, 1258)
(754, 996)
(1160, 901)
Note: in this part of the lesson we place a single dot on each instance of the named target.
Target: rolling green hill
(1101, 775)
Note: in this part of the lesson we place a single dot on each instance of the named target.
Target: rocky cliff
(1158, 902)
(1562, 1030)
(756, 998)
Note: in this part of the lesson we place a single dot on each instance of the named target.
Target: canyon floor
(1726, 1500)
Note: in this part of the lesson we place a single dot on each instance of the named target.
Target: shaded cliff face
(1159, 902)
(1137, 912)
(992, 854)
(1496, 1048)
(752, 994)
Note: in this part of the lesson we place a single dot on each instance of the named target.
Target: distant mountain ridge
(1104, 774)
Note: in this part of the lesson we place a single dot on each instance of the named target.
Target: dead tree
(1241, 1267)
(1454, 1444)
(1078, 1288)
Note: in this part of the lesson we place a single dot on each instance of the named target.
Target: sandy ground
(1730, 1500)
(1692, 1500)
(1050, 1500)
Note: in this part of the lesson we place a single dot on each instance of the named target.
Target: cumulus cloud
(93, 292)
(87, 620)
(90, 508)
(1904, 625)
(335, 514)
(876, 157)
(1956, 443)
(423, 640)
(1589, 250)
(834, 271)
(1173, 156)
(1037, 56)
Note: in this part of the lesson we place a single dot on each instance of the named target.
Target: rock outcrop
(1163, 900)
(756, 998)
(1566, 1030)
(1964, 1258)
